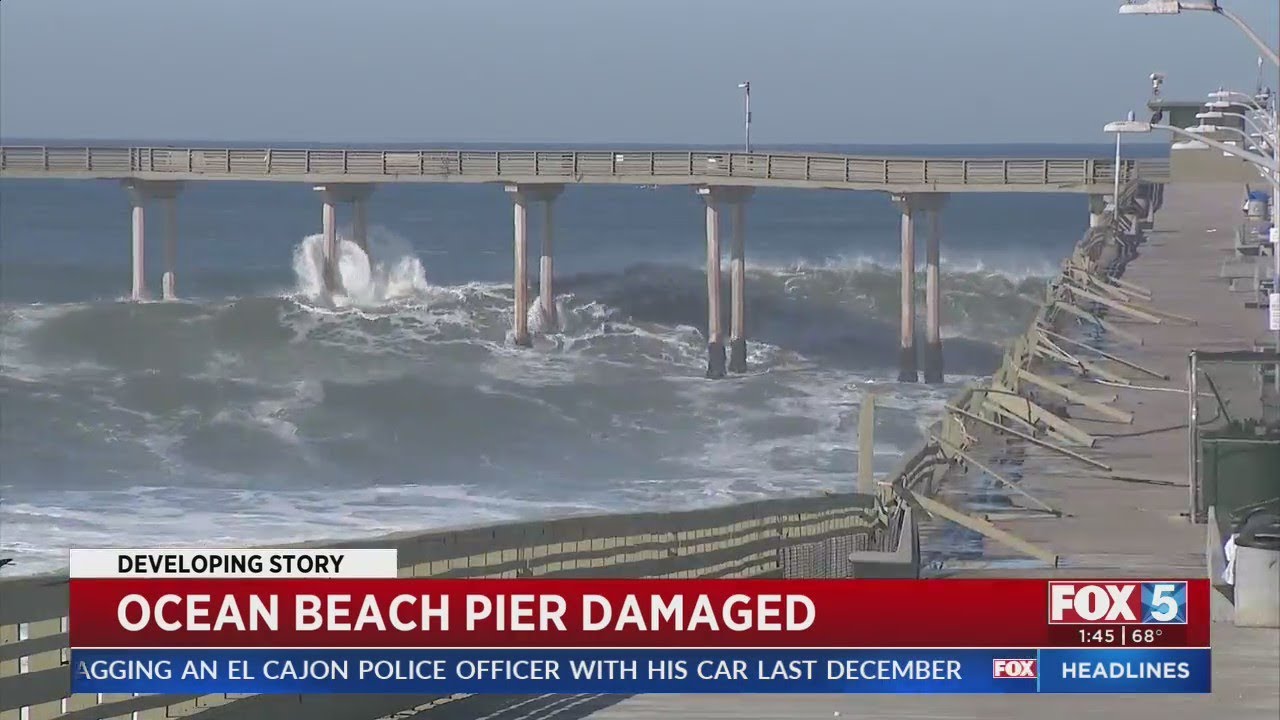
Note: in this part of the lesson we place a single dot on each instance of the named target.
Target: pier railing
(569, 166)
(796, 537)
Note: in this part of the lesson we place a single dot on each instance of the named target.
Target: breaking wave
(398, 404)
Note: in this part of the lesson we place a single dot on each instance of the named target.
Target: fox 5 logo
(1075, 603)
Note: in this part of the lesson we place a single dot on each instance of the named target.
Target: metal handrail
(567, 166)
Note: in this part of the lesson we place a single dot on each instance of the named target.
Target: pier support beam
(329, 226)
(546, 271)
(139, 248)
(140, 192)
(738, 290)
(521, 196)
(932, 204)
(168, 282)
(357, 194)
(715, 340)
(907, 368)
(734, 198)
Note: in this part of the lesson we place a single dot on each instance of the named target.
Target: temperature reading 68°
(1140, 635)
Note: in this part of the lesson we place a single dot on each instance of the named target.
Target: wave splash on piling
(389, 274)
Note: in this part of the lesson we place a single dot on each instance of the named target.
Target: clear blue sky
(847, 71)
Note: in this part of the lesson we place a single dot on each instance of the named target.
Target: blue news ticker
(524, 671)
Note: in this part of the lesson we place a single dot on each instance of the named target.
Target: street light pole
(1115, 191)
(746, 88)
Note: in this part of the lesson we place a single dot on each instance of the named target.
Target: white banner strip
(232, 563)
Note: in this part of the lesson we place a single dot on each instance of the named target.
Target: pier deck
(602, 166)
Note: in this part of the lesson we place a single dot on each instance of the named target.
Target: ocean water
(258, 409)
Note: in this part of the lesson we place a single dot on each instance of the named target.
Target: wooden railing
(588, 166)
(795, 537)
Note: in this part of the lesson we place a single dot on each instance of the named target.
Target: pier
(918, 187)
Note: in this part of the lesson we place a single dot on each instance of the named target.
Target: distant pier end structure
(726, 181)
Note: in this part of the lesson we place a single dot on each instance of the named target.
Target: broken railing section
(1029, 396)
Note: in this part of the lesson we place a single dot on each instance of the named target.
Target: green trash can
(1238, 471)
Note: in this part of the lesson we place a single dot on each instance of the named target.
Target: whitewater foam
(401, 405)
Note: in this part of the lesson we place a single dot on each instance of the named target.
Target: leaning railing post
(866, 444)
(1193, 439)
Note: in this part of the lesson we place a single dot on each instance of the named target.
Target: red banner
(425, 613)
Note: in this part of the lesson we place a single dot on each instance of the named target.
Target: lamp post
(746, 91)
(1271, 164)
(1173, 7)
(1115, 188)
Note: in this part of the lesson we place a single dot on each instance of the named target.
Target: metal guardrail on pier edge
(787, 538)
(589, 166)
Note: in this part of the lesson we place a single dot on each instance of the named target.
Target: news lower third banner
(299, 621)
(620, 671)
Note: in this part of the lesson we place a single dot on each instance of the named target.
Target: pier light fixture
(1127, 126)
(1174, 7)
(1154, 7)
(746, 91)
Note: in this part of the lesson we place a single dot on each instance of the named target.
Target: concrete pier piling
(139, 247)
(520, 286)
(168, 282)
(907, 367)
(360, 223)
(933, 292)
(358, 195)
(715, 339)
(738, 284)
(521, 196)
(329, 226)
(140, 193)
(546, 266)
(546, 269)
(734, 199)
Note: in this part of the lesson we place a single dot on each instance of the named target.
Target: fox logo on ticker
(1018, 669)
(1078, 603)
